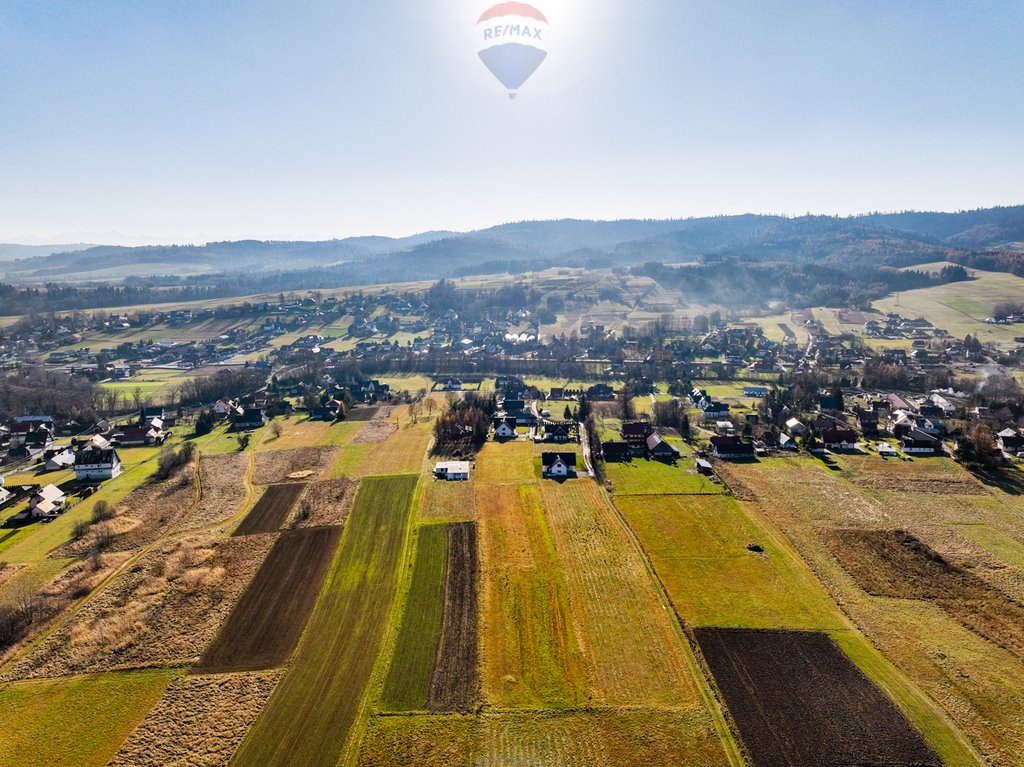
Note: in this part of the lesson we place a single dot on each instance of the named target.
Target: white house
(504, 428)
(452, 471)
(794, 427)
(62, 460)
(558, 465)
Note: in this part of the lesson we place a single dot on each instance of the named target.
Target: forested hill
(990, 238)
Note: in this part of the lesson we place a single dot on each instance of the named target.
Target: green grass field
(698, 545)
(643, 477)
(77, 721)
(408, 681)
(962, 307)
(308, 719)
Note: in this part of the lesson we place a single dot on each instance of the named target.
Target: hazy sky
(214, 119)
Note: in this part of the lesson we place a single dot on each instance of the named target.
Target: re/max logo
(512, 30)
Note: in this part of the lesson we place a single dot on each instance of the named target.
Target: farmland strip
(266, 624)
(409, 680)
(308, 718)
(271, 510)
(799, 701)
(455, 682)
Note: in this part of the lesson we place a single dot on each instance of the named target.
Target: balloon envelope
(512, 42)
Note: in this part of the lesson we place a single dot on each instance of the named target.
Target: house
(839, 439)
(557, 431)
(37, 441)
(97, 460)
(713, 409)
(65, 459)
(22, 433)
(138, 436)
(451, 384)
(250, 418)
(795, 428)
(731, 448)
(616, 452)
(917, 442)
(636, 434)
(5, 496)
(452, 471)
(222, 409)
(557, 392)
(46, 502)
(504, 427)
(867, 421)
(558, 465)
(1010, 441)
(660, 450)
(601, 392)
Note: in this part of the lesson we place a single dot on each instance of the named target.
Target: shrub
(101, 512)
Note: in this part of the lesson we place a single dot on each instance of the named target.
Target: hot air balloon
(513, 37)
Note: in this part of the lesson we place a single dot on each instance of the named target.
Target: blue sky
(189, 121)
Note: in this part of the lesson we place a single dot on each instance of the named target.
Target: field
(530, 654)
(271, 510)
(199, 721)
(222, 481)
(798, 700)
(448, 501)
(408, 683)
(951, 683)
(699, 548)
(77, 722)
(342, 640)
(325, 503)
(643, 477)
(505, 462)
(161, 612)
(895, 564)
(401, 453)
(268, 620)
(592, 738)
(962, 307)
(276, 466)
(300, 432)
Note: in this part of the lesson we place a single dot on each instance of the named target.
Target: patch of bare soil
(271, 509)
(53, 600)
(161, 612)
(455, 684)
(951, 484)
(222, 478)
(373, 432)
(146, 513)
(275, 466)
(199, 721)
(798, 700)
(365, 413)
(326, 503)
(894, 563)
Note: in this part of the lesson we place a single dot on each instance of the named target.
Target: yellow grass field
(442, 501)
(634, 652)
(530, 655)
(401, 453)
(505, 462)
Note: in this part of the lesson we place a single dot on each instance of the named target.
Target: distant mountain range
(896, 239)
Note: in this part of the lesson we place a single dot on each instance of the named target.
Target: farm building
(755, 391)
(504, 427)
(452, 471)
(704, 467)
(795, 427)
(660, 450)
(138, 436)
(250, 418)
(636, 434)
(97, 460)
(731, 447)
(1010, 441)
(558, 465)
(64, 459)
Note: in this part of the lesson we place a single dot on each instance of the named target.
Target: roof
(50, 493)
(637, 429)
(550, 459)
(916, 435)
(452, 467)
(835, 436)
(91, 455)
(656, 442)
